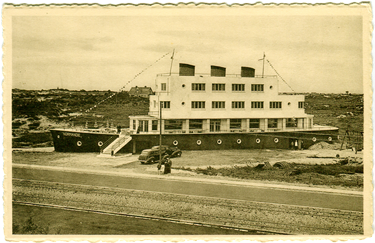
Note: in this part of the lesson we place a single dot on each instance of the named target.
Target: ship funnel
(217, 71)
(187, 69)
(247, 72)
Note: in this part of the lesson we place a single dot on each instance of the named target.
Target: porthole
(257, 140)
(314, 139)
(288, 103)
(239, 141)
(276, 140)
(175, 142)
(58, 136)
(271, 87)
(199, 142)
(79, 143)
(183, 103)
(219, 141)
(183, 86)
(100, 143)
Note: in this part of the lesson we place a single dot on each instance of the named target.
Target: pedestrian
(167, 165)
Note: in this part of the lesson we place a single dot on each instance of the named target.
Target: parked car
(171, 151)
(150, 156)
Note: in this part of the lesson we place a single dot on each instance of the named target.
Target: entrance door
(215, 125)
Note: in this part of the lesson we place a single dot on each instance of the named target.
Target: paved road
(270, 195)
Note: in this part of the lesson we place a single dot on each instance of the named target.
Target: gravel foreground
(251, 215)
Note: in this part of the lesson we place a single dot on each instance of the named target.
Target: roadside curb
(201, 180)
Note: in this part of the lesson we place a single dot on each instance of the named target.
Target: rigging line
(280, 76)
(123, 87)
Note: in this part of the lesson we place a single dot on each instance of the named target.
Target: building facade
(217, 102)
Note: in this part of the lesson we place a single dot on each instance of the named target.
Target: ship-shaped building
(219, 110)
(211, 110)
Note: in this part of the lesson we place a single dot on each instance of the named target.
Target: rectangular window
(195, 124)
(200, 87)
(215, 125)
(238, 87)
(163, 86)
(134, 127)
(257, 104)
(254, 123)
(218, 104)
(235, 123)
(275, 104)
(143, 125)
(198, 104)
(155, 125)
(238, 104)
(173, 124)
(272, 123)
(218, 87)
(291, 122)
(257, 87)
(301, 104)
(166, 104)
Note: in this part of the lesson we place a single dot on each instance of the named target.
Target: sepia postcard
(176, 122)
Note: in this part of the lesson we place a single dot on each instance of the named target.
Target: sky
(311, 53)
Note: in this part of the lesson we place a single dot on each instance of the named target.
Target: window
(143, 126)
(257, 104)
(254, 123)
(235, 123)
(154, 125)
(200, 87)
(166, 104)
(238, 87)
(238, 104)
(257, 87)
(198, 104)
(163, 86)
(134, 124)
(173, 124)
(272, 123)
(218, 87)
(195, 124)
(215, 125)
(301, 104)
(275, 104)
(218, 104)
(291, 122)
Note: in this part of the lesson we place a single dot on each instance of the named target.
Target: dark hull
(275, 140)
(75, 141)
(68, 141)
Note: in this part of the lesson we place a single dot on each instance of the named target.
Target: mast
(264, 58)
(170, 69)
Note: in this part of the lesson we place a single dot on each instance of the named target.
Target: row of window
(235, 104)
(215, 124)
(220, 87)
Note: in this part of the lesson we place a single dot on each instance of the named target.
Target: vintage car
(171, 151)
(150, 156)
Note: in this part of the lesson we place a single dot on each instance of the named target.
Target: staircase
(116, 145)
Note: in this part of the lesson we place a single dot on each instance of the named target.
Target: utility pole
(160, 127)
